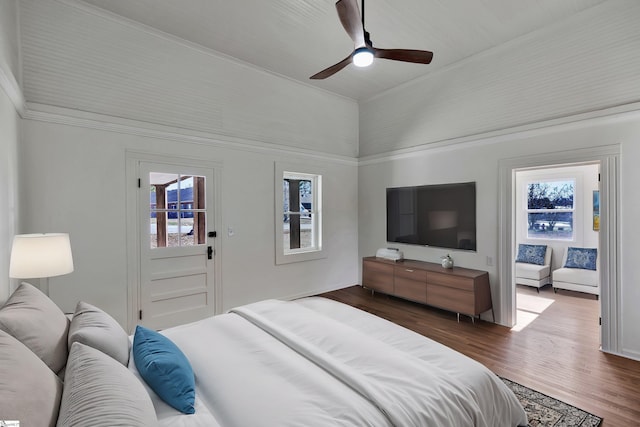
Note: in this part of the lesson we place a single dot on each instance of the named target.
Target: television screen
(442, 215)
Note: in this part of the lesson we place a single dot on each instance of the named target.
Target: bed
(309, 362)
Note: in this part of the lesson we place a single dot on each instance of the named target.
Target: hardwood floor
(554, 348)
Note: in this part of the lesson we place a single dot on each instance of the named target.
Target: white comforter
(316, 362)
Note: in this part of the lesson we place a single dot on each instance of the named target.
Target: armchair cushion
(584, 258)
(531, 254)
(578, 276)
(532, 271)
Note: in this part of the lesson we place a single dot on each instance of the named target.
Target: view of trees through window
(550, 209)
(300, 213)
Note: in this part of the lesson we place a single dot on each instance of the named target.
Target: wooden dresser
(461, 290)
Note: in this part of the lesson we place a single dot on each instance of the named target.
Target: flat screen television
(442, 216)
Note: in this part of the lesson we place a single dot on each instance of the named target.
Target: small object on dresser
(447, 261)
(391, 254)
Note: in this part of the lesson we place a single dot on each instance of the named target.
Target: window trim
(574, 211)
(305, 171)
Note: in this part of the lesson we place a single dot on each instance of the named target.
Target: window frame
(284, 170)
(576, 220)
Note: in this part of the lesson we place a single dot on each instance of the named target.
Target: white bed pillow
(101, 392)
(37, 322)
(93, 327)
(29, 391)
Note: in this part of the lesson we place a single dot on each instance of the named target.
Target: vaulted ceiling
(297, 38)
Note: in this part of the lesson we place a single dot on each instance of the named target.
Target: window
(550, 209)
(298, 214)
(177, 210)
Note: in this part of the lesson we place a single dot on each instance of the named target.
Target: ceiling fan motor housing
(362, 57)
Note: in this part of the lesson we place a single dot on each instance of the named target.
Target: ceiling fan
(364, 52)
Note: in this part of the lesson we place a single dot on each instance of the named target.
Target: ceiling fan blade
(332, 70)
(406, 55)
(350, 17)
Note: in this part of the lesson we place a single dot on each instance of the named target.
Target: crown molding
(50, 114)
(65, 116)
(617, 114)
(10, 86)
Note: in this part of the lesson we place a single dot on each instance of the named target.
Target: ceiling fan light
(362, 57)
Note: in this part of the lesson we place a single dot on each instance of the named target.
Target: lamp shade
(40, 256)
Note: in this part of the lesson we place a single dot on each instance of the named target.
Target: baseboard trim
(317, 292)
(627, 354)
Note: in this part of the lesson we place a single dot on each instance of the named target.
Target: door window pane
(177, 210)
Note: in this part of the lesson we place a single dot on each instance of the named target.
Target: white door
(176, 244)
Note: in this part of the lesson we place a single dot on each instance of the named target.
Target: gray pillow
(99, 391)
(29, 391)
(37, 322)
(95, 328)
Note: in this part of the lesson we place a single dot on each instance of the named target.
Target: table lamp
(40, 256)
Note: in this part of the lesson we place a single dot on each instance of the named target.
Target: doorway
(554, 210)
(609, 234)
(172, 222)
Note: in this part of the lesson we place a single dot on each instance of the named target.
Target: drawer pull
(408, 271)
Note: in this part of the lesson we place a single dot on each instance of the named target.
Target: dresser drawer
(410, 273)
(377, 276)
(410, 289)
(451, 299)
(449, 280)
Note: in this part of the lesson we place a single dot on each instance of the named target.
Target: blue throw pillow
(531, 254)
(165, 369)
(584, 258)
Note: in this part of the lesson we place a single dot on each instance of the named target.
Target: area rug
(545, 411)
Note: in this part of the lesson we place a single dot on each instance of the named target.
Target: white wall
(586, 177)
(9, 131)
(9, 136)
(74, 181)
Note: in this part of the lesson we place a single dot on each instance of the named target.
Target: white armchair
(576, 279)
(533, 274)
